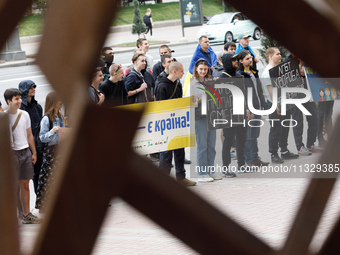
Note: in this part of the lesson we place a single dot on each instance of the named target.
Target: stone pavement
(264, 206)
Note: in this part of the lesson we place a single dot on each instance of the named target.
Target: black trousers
(312, 121)
(325, 111)
(229, 135)
(278, 134)
(149, 28)
(165, 159)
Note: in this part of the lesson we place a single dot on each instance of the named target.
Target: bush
(266, 42)
(138, 26)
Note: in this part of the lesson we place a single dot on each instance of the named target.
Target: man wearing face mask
(108, 56)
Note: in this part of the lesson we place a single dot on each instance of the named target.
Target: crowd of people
(34, 136)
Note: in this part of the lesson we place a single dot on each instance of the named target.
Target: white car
(228, 26)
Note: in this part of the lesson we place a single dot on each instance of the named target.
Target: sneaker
(258, 162)
(187, 182)
(31, 219)
(313, 149)
(233, 156)
(229, 174)
(289, 155)
(216, 176)
(304, 152)
(187, 161)
(276, 159)
(205, 178)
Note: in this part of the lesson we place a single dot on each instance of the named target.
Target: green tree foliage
(266, 42)
(138, 26)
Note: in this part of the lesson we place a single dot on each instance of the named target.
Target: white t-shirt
(19, 137)
(265, 79)
(149, 60)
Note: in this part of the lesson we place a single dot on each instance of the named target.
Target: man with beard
(34, 109)
(230, 65)
(244, 45)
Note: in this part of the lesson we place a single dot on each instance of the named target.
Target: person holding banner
(277, 132)
(253, 132)
(312, 120)
(205, 139)
(170, 87)
(204, 51)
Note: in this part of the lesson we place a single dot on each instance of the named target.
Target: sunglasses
(119, 66)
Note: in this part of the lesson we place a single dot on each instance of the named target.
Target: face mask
(108, 58)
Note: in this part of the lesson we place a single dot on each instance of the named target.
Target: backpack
(40, 145)
(146, 19)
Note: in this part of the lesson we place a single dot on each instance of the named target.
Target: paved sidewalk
(266, 207)
(169, 32)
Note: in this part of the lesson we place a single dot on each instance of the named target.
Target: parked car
(228, 26)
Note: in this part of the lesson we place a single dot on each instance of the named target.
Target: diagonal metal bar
(9, 238)
(11, 12)
(73, 38)
(332, 244)
(91, 172)
(315, 200)
(184, 214)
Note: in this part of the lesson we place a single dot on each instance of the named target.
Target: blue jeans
(206, 141)
(253, 132)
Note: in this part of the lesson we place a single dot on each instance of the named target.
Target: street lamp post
(12, 49)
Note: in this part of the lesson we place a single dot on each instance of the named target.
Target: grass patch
(161, 12)
(32, 25)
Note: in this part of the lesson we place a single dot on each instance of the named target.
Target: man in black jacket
(34, 109)
(230, 65)
(158, 67)
(169, 88)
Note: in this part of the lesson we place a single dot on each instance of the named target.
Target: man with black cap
(34, 109)
(244, 45)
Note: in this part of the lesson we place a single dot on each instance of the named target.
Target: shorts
(23, 164)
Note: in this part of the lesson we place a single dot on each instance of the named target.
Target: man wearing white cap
(244, 45)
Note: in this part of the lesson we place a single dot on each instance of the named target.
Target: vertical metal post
(12, 49)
